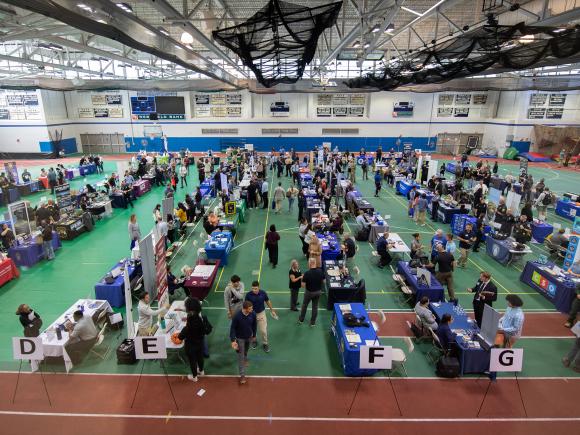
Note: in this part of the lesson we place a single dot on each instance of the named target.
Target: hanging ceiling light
(375, 28)
(390, 28)
(356, 44)
(367, 45)
(526, 39)
(186, 38)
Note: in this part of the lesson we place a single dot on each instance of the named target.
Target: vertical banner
(11, 172)
(63, 198)
(167, 207)
(311, 162)
(20, 219)
(419, 169)
(224, 182)
(161, 272)
(572, 254)
(147, 255)
(128, 302)
(523, 166)
(321, 157)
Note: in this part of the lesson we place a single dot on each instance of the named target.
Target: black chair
(360, 293)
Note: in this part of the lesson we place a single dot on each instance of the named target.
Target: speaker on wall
(153, 117)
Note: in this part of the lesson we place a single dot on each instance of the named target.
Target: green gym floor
(296, 350)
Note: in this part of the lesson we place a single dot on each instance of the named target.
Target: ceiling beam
(51, 65)
(523, 11)
(388, 19)
(28, 33)
(170, 12)
(354, 32)
(451, 23)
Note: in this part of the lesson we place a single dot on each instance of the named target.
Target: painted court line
(270, 418)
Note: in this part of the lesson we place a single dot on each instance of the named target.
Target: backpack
(448, 367)
(351, 320)
(547, 200)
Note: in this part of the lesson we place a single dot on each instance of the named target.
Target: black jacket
(194, 330)
(490, 287)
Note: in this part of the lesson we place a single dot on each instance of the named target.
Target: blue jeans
(48, 251)
(290, 203)
(243, 346)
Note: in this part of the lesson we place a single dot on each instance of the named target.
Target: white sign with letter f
(376, 357)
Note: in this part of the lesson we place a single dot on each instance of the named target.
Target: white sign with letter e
(150, 347)
(506, 360)
(27, 348)
(376, 357)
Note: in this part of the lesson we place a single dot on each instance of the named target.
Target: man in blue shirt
(421, 209)
(511, 323)
(446, 336)
(438, 239)
(259, 299)
(242, 332)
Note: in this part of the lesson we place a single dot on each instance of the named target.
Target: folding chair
(99, 342)
(424, 333)
(437, 348)
(399, 357)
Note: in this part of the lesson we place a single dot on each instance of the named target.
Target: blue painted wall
(69, 145)
(267, 143)
(522, 146)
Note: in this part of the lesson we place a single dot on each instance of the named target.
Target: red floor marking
(535, 325)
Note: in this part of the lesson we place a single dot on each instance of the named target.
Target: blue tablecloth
(499, 250)
(305, 179)
(404, 187)
(458, 222)
(309, 193)
(313, 206)
(428, 194)
(498, 183)
(219, 245)
(114, 293)
(26, 189)
(445, 212)
(31, 253)
(14, 194)
(558, 290)
(451, 167)
(435, 292)
(471, 360)
(331, 250)
(541, 230)
(350, 353)
(567, 209)
(87, 169)
(361, 159)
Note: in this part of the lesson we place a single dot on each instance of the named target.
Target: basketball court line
(272, 418)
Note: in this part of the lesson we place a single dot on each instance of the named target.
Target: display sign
(233, 99)
(27, 348)
(324, 99)
(150, 347)
(98, 99)
(219, 112)
(201, 99)
(230, 207)
(403, 109)
(506, 360)
(444, 112)
(356, 111)
(32, 112)
(101, 113)
(163, 116)
(339, 111)
(461, 112)
(324, 111)
(340, 100)
(218, 99)
(376, 357)
(234, 112)
(114, 99)
(14, 100)
(538, 99)
(446, 99)
(115, 112)
(545, 284)
(479, 99)
(536, 113)
(557, 99)
(17, 113)
(463, 99)
(63, 197)
(30, 99)
(358, 99)
(4, 114)
(18, 212)
(142, 105)
(86, 112)
(554, 112)
(161, 271)
(202, 111)
(280, 108)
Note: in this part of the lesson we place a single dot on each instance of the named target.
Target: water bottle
(162, 322)
(58, 332)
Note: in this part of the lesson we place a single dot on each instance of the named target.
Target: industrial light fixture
(186, 38)
(125, 7)
(84, 7)
(162, 30)
(367, 45)
(390, 28)
(526, 39)
(356, 44)
(375, 28)
(560, 30)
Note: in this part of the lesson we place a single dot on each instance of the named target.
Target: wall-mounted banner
(86, 112)
(463, 99)
(114, 99)
(446, 99)
(557, 99)
(536, 113)
(538, 99)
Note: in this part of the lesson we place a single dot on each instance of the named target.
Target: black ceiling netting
(279, 40)
(507, 47)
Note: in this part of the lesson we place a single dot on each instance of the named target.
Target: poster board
(64, 198)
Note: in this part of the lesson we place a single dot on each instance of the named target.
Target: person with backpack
(196, 328)
(365, 169)
(542, 203)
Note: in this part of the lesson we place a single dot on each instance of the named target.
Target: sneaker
(300, 322)
(192, 378)
(266, 348)
(242, 380)
(568, 325)
(565, 362)
(202, 373)
(312, 325)
(254, 345)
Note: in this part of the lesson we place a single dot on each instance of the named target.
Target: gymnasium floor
(302, 360)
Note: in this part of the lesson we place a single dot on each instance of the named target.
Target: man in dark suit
(484, 292)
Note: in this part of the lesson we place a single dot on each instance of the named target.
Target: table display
(8, 271)
(505, 251)
(309, 193)
(70, 228)
(568, 209)
(330, 245)
(434, 291)
(498, 183)
(320, 222)
(28, 253)
(175, 320)
(459, 221)
(230, 223)
(206, 188)
(219, 246)
(551, 282)
(114, 292)
(313, 206)
(472, 357)
(340, 285)
(446, 211)
(201, 280)
(141, 187)
(87, 169)
(52, 345)
(363, 204)
(43, 181)
(350, 338)
(29, 188)
(405, 186)
(101, 208)
(399, 246)
(71, 173)
(541, 230)
(378, 226)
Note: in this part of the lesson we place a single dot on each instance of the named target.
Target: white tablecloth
(174, 322)
(400, 246)
(52, 345)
